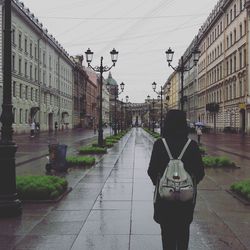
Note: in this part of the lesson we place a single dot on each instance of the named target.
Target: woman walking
(175, 217)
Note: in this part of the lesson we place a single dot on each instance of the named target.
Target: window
(26, 116)
(234, 90)
(31, 94)
(14, 35)
(231, 39)
(20, 40)
(26, 92)
(240, 59)
(25, 45)
(234, 10)
(14, 89)
(36, 95)
(231, 15)
(31, 49)
(241, 5)
(240, 88)
(31, 71)
(20, 90)
(234, 63)
(35, 73)
(44, 58)
(20, 116)
(25, 69)
(235, 36)
(35, 52)
(20, 66)
(241, 30)
(231, 65)
(13, 62)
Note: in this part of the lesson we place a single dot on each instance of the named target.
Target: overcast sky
(141, 30)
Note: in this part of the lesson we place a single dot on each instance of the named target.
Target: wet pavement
(110, 206)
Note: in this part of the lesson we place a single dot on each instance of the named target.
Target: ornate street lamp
(116, 94)
(101, 69)
(160, 93)
(10, 205)
(181, 68)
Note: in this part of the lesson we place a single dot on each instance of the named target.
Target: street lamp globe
(169, 55)
(122, 86)
(89, 55)
(148, 98)
(196, 55)
(114, 56)
(154, 85)
(127, 98)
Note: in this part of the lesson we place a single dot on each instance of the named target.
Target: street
(110, 206)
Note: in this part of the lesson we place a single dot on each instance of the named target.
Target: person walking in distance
(174, 212)
(32, 129)
(199, 134)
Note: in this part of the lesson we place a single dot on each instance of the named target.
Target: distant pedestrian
(94, 129)
(175, 216)
(37, 127)
(199, 134)
(56, 126)
(32, 129)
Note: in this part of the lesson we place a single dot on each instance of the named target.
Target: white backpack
(176, 184)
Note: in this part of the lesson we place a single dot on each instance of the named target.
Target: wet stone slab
(105, 242)
(46, 242)
(107, 222)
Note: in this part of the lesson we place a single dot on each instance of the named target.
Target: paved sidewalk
(111, 208)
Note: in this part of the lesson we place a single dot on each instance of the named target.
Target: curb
(238, 197)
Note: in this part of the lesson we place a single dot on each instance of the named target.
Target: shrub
(217, 161)
(40, 187)
(92, 150)
(242, 188)
(202, 150)
(80, 160)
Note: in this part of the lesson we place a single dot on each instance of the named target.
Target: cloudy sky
(141, 30)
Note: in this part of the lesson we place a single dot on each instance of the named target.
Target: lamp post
(10, 205)
(101, 69)
(160, 93)
(117, 93)
(153, 103)
(181, 68)
(126, 112)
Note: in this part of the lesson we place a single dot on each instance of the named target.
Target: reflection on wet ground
(110, 207)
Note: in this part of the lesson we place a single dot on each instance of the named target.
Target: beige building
(222, 67)
(221, 77)
(41, 74)
(173, 92)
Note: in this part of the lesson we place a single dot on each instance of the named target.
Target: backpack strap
(184, 149)
(167, 148)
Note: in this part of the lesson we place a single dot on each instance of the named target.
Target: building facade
(222, 68)
(79, 92)
(41, 74)
(91, 117)
(221, 78)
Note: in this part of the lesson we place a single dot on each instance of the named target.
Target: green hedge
(80, 160)
(202, 150)
(40, 187)
(92, 150)
(242, 188)
(217, 161)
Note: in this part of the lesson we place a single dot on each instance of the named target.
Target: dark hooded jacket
(175, 132)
